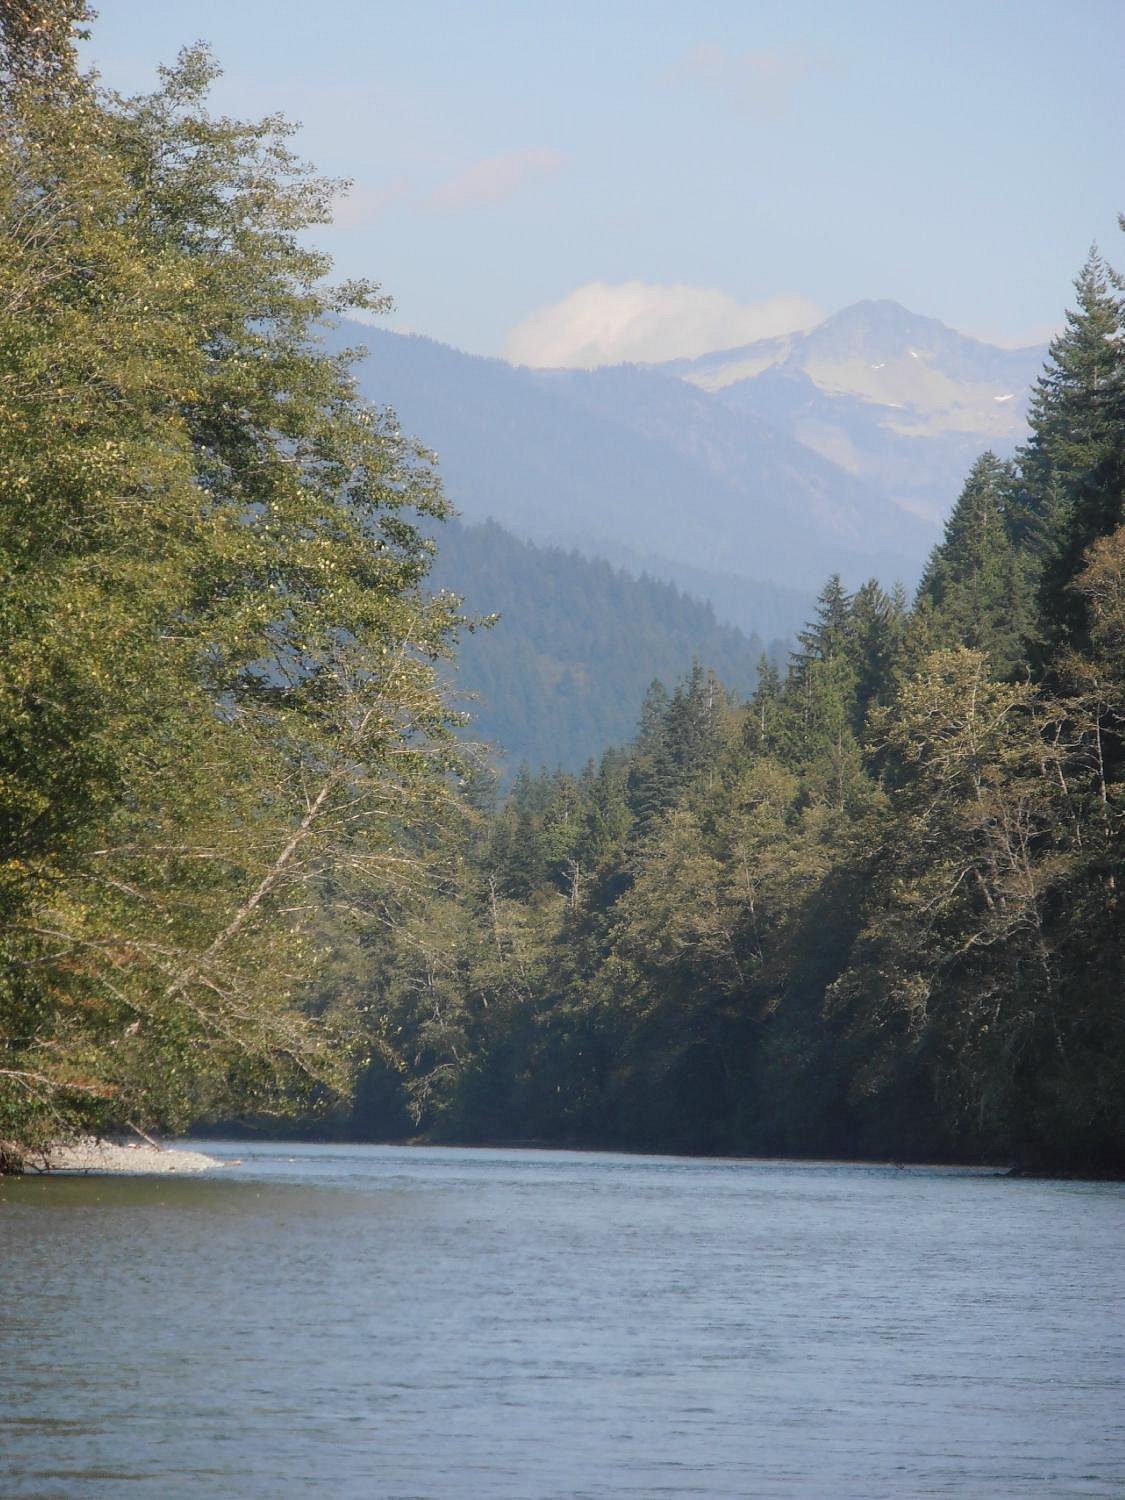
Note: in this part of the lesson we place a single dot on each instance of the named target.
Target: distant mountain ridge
(745, 476)
(895, 399)
(876, 334)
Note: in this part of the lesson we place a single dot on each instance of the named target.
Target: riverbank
(92, 1155)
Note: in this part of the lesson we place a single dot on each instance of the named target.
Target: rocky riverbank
(91, 1155)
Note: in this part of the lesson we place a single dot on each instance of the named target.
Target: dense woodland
(245, 864)
(563, 672)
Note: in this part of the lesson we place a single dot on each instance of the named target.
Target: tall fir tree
(1073, 467)
(976, 590)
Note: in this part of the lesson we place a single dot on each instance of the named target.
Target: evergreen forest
(563, 671)
(860, 899)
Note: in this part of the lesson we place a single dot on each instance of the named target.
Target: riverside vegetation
(245, 865)
(218, 695)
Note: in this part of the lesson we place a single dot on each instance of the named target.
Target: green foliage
(218, 694)
(875, 909)
(1073, 468)
(979, 587)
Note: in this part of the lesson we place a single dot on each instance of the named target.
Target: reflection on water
(413, 1323)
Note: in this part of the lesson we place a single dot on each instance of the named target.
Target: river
(429, 1324)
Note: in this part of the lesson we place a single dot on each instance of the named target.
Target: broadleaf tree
(217, 693)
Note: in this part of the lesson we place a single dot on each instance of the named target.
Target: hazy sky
(634, 180)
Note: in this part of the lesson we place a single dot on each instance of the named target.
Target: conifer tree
(825, 637)
(652, 781)
(875, 643)
(975, 592)
(1073, 467)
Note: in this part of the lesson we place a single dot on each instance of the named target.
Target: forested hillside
(875, 911)
(563, 672)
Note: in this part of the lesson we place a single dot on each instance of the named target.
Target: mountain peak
(880, 314)
(872, 307)
(880, 352)
(873, 382)
(886, 330)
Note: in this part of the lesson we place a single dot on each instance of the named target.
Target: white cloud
(479, 185)
(494, 179)
(360, 207)
(760, 84)
(638, 322)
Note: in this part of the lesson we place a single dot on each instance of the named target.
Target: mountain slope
(898, 401)
(562, 674)
(627, 464)
(747, 477)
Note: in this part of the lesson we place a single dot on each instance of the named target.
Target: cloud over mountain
(642, 322)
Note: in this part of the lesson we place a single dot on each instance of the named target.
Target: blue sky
(619, 179)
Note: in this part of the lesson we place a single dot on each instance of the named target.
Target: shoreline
(90, 1155)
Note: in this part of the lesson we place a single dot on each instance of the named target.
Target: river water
(376, 1322)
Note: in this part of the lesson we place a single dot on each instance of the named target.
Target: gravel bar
(90, 1155)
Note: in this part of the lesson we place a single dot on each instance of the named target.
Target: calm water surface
(430, 1324)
